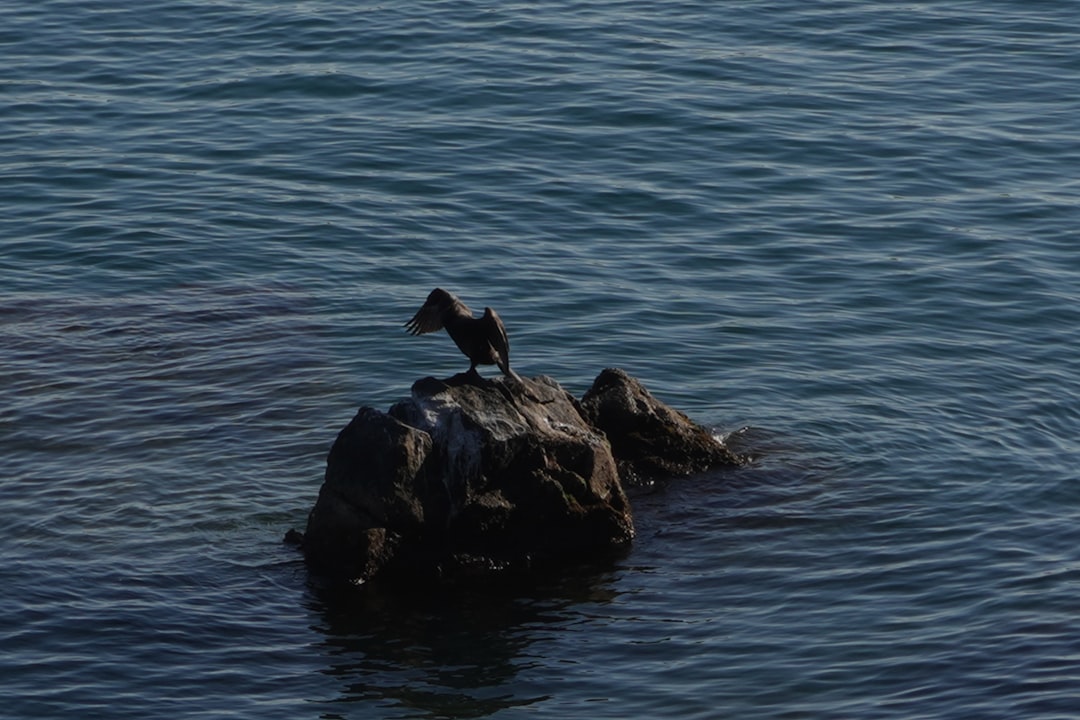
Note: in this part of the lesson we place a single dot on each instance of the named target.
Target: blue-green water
(844, 232)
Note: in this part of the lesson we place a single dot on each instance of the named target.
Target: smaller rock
(650, 440)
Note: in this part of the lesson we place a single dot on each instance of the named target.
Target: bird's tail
(505, 367)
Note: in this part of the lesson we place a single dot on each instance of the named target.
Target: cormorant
(483, 339)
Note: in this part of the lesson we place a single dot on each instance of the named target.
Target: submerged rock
(472, 476)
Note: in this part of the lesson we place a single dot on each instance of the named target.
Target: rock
(377, 490)
(465, 478)
(649, 439)
(473, 476)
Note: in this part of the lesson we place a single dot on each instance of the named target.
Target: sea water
(841, 234)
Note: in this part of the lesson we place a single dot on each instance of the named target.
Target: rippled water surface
(843, 233)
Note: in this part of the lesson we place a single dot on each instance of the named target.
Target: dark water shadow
(445, 651)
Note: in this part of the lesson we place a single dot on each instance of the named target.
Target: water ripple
(840, 233)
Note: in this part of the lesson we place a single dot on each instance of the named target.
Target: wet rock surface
(650, 440)
(471, 476)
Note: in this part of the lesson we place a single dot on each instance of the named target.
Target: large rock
(466, 477)
(472, 476)
(649, 439)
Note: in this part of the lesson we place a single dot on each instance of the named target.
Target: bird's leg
(474, 375)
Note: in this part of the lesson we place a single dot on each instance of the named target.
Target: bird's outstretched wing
(429, 317)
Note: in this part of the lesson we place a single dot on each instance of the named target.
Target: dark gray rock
(471, 476)
(467, 477)
(377, 492)
(649, 439)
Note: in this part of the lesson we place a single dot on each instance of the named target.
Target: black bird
(483, 339)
